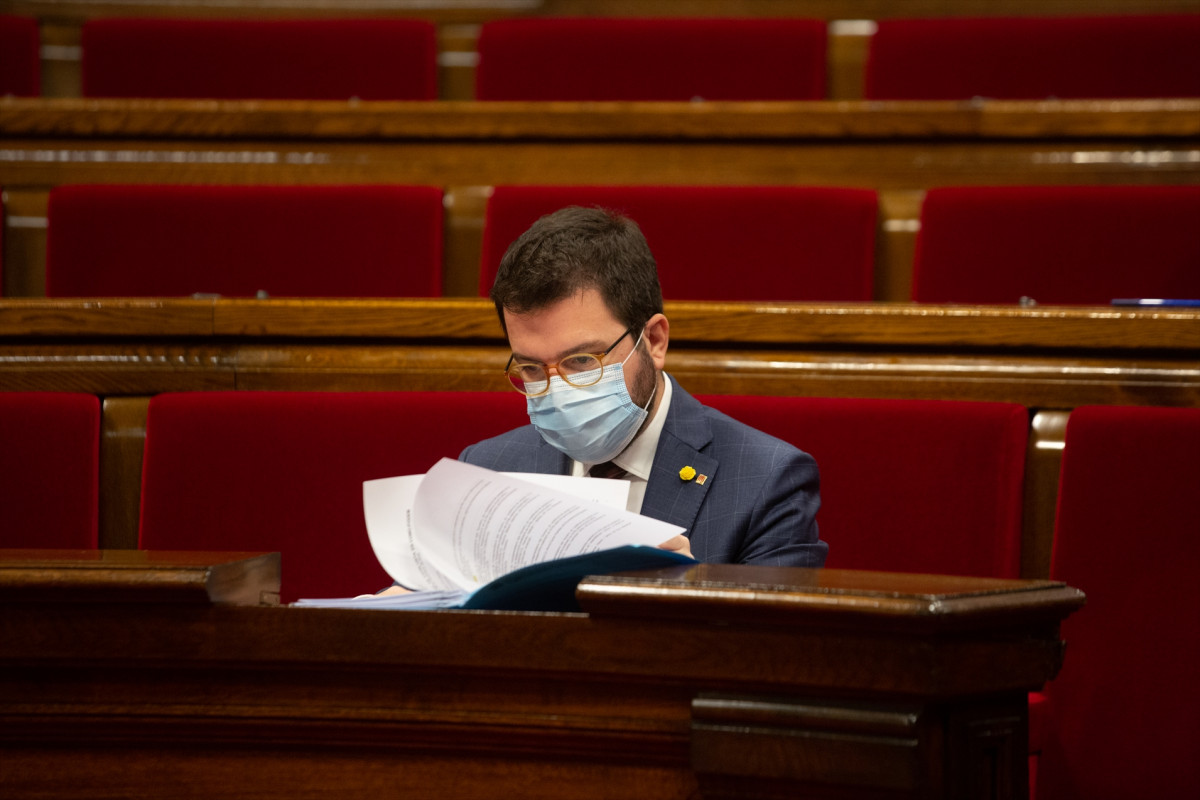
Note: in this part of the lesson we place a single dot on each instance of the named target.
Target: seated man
(579, 299)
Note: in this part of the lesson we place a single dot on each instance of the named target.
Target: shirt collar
(638, 458)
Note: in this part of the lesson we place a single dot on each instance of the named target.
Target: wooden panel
(67, 577)
(465, 209)
(24, 256)
(122, 442)
(734, 122)
(624, 700)
(881, 165)
(900, 220)
(1043, 460)
(117, 368)
(1044, 357)
(944, 328)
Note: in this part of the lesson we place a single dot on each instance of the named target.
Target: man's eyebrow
(593, 346)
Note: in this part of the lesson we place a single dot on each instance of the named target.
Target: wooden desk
(1046, 357)
(891, 144)
(710, 681)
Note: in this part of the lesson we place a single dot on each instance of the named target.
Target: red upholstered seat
(576, 58)
(1057, 244)
(49, 470)
(1124, 713)
(20, 56)
(307, 241)
(1034, 58)
(720, 243)
(907, 485)
(319, 59)
(283, 471)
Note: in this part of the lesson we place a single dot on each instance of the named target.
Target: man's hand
(679, 544)
(393, 589)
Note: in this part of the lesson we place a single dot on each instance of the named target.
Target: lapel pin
(700, 479)
(687, 473)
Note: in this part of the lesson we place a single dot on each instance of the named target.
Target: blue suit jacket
(756, 505)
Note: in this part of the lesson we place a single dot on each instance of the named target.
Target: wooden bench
(1049, 360)
(898, 149)
(135, 673)
(458, 24)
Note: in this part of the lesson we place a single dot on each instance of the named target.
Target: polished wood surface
(138, 576)
(568, 121)
(880, 145)
(671, 685)
(1044, 357)
(466, 320)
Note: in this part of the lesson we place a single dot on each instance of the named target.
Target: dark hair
(575, 249)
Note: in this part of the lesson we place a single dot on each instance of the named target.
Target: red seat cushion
(20, 56)
(318, 59)
(651, 59)
(720, 243)
(283, 471)
(907, 485)
(1124, 712)
(1035, 57)
(302, 241)
(1057, 244)
(49, 470)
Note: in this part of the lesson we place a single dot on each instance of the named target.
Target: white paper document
(459, 526)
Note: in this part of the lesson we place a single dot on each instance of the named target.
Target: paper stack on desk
(463, 536)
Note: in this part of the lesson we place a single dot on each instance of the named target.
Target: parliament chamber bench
(141, 673)
(61, 606)
(898, 149)
(1045, 360)
(851, 24)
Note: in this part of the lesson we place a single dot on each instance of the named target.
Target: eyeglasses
(531, 378)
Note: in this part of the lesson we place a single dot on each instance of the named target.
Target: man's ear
(656, 337)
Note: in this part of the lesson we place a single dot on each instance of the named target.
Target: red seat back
(720, 243)
(20, 56)
(1034, 58)
(301, 241)
(49, 470)
(283, 471)
(1124, 712)
(907, 485)
(651, 59)
(326, 59)
(1057, 244)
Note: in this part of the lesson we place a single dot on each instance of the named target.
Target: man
(579, 300)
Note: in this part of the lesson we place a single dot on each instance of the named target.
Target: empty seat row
(623, 59)
(907, 486)
(301, 241)
(1055, 245)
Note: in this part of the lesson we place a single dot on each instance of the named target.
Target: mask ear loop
(653, 392)
(635, 347)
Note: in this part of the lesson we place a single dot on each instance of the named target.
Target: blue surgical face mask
(593, 423)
